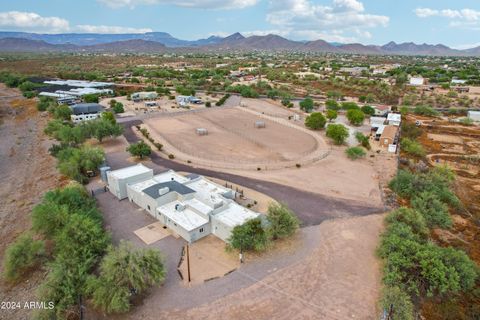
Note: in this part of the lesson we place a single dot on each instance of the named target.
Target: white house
(85, 112)
(144, 95)
(417, 81)
(185, 100)
(377, 122)
(394, 119)
(458, 81)
(382, 110)
(191, 206)
(474, 115)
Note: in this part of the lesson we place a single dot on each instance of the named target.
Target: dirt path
(338, 279)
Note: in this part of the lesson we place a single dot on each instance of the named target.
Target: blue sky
(454, 23)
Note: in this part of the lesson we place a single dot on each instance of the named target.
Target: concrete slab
(152, 233)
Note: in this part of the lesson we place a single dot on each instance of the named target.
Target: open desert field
(232, 137)
(268, 107)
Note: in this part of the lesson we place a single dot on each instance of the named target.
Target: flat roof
(187, 218)
(80, 83)
(198, 205)
(394, 116)
(173, 186)
(130, 171)
(389, 132)
(83, 108)
(159, 178)
(207, 191)
(235, 215)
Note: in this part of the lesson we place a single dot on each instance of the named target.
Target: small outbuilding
(260, 124)
(201, 131)
(474, 115)
(118, 180)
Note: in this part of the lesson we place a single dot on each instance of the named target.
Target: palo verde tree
(315, 121)
(282, 221)
(249, 236)
(355, 116)
(331, 114)
(124, 272)
(337, 132)
(22, 255)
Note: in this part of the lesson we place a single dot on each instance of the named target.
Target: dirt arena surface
(232, 137)
(338, 279)
(268, 107)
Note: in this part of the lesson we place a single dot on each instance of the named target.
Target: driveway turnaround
(311, 208)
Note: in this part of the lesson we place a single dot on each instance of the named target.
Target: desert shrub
(410, 217)
(208, 104)
(22, 255)
(412, 147)
(91, 98)
(363, 140)
(354, 153)
(425, 111)
(350, 106)
(221, 102)
(332, 105)
(315, 121)
(400, 300)
(435, 212)
(337, 132)
(410, 130)
(118, 107)
(62, 112)
(75, 163)
(139, 149)
(171, 156)
(283, 222)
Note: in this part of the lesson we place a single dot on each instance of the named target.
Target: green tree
(103, 128)
(44, 103)
(249, 236)
(62, 112)
(315, 121)
(48, 218)
(22, 255)
(331, 114)
(368, 110)
(139, 149)
(355, 116)
(354, 153)
(283, 222)
(75, 163)
(332, 105)
(91, 98)
(337, 132)
(123, 272)
(112, 103)
(306, 104)
(106, 116)
(410, 217)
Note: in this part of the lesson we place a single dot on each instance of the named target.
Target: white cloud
(464, 18)
(342, 20)
(109, 29)
(200, 4)
(30, 21)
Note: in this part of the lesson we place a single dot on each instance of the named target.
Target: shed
(474, 115)
(201, 131)
(389, 136)
(259, 124)
(119, 179)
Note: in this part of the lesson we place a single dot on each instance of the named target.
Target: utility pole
(188, 263)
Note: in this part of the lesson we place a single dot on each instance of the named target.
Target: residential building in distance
(474, 115)
(394, 119)
(85, 112)
(144, 95)
(417, 81)
(191, 206)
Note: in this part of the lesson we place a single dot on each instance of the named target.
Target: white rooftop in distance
(394, 117)
(186, 218)
(198, 205)
(377, 121)
(130, 171)
(235, 215)
(80, 83)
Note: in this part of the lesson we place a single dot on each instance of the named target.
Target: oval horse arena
(236, 138)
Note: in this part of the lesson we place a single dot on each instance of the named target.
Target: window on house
(148, 207)
(201, 230)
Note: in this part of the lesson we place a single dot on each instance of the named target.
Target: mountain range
(151, 42)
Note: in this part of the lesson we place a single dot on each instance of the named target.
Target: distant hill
(162, 41)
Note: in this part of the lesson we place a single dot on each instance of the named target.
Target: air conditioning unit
(163, 191)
